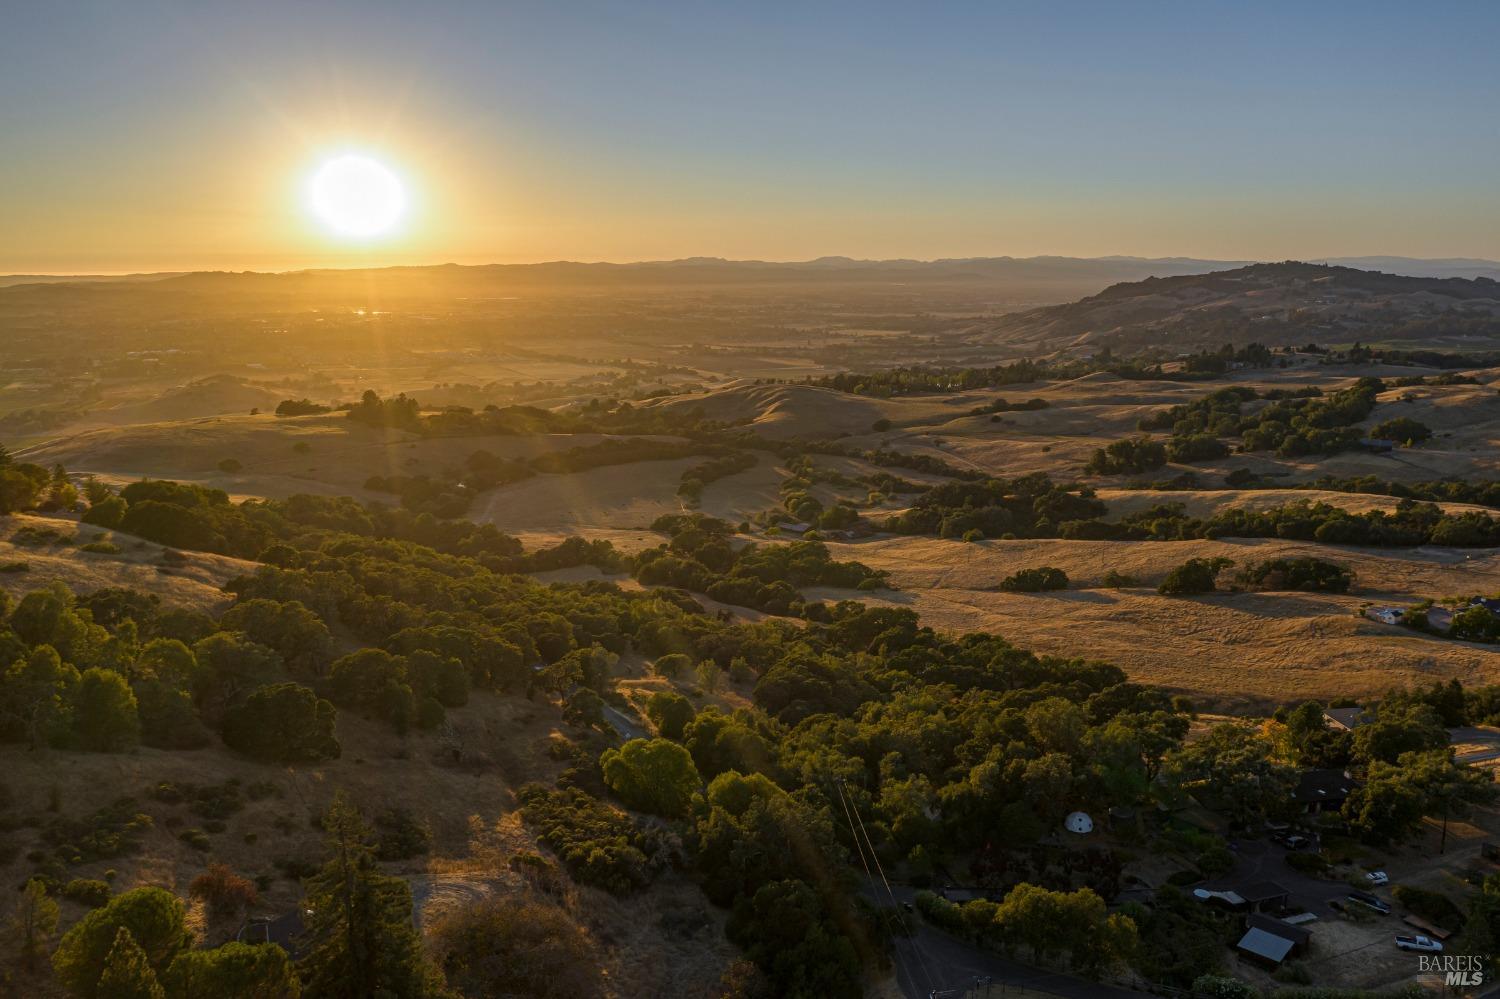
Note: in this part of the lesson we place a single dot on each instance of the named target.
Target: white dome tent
(1079, 822)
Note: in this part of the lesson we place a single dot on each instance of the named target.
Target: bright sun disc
(356, 196)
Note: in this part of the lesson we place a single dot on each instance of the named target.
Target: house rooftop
(1347, 718)
(1265, 945)
(1261, 891)
(1323, 785)
(1270, 924)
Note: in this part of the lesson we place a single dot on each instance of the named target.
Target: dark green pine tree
(363, 941)
(127, 972)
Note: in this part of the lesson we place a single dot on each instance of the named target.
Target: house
(1439, 618)
(1321, 791)
(1262, 895)
(792, 527)
(1385, 615)
(1347, 719)
(1268, 941)
(1378, 444)
(1488, 603)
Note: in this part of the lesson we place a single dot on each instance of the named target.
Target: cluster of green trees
(800, 505)
(693, 481)
(1035, 580)
(1003, 405)
(1028, 507)
(1312, 574)
(137, 945)
(26, 486)
(1485, 493)
(1295, 423)
(1129, 456)
(163, 678)
(700, 557)
(301, 407)
(924, 380)
(1410, 524)
(1046, 924)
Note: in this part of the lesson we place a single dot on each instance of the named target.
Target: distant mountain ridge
(940, 267)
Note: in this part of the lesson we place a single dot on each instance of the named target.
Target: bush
(599, 845)
(498, 946)
(223, 891)
(1035, 580)
(1402, 430)
(1197, 575)
(196, 838)
(1307, 863)
(1310, 574)
(1119, 580)
(401, 834)
(672, 666)
(1432, 906)
(87, 892)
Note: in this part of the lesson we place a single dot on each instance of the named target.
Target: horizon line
(826, 258)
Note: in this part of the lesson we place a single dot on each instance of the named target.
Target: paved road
(932, 961)
(622, 723)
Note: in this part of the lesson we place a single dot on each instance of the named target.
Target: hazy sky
(149, 136)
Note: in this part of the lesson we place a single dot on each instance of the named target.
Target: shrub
(1035, 580)
(1312, 574)
(1433, 906)
(1402, 430)
(87, 892)
(1119, 580)
(498, 946)
(401, 834)
(196, 838)
(599, 845)
(1196, 575)
(672, 666)
(223, 891)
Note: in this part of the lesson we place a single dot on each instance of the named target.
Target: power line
(906, 928)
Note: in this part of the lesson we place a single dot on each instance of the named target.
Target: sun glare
(356, 197)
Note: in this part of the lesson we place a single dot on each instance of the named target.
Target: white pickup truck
(1421, 943)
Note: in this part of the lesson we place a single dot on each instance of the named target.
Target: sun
(356, 197)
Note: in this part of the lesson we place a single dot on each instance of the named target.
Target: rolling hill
(1283, 304)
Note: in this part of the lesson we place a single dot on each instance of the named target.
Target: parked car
(1292, 841)
(1369, 901)
(1426, 945)
(1378, 878)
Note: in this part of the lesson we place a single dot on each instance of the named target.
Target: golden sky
(156, 136)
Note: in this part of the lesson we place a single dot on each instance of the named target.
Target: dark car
(1369, 901)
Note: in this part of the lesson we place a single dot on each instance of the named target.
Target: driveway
(1262, 860)
(622, 723)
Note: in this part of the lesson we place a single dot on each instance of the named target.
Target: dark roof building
(1263, 895)
(1347, 719)
(1322, 790)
